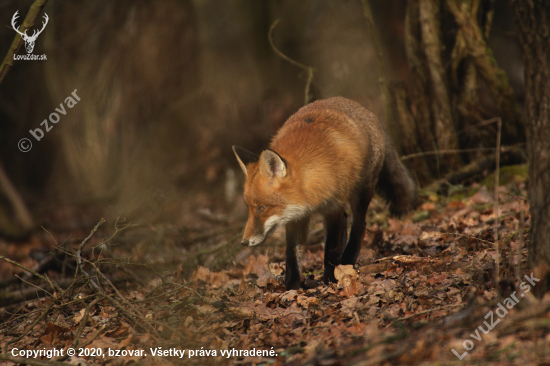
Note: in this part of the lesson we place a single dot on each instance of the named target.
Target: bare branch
(308, 69)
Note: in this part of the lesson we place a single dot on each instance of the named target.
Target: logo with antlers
(29, 40)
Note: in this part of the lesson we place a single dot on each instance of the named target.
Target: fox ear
(272, 165)
(244, 157)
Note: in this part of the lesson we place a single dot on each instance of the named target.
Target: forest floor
(423, 290)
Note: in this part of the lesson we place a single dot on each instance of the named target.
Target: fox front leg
(336, 226)
(296, 236)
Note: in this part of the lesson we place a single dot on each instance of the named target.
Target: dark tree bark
(533, 20)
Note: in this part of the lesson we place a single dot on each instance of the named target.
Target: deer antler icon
(29, 40)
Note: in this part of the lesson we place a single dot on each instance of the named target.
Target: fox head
(269, 193)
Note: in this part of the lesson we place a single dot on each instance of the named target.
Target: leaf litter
(421, 288)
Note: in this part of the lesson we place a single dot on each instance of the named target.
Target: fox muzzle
(245, 243)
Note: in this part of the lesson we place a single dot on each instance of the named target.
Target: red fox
(330, 152)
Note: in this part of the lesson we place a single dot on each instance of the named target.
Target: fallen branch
(476, 167)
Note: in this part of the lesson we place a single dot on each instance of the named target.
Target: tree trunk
(533, 20)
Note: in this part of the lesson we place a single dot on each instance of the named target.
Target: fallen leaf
(78, 316)
(201, 273)
(307, 301)
(218, 279)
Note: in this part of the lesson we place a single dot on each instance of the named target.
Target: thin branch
(29, 328)
(307, 69)
(35, 286)
(427, 311)
(84, 320)
(54, 285)
(521, 239)
(497, 177)
(438, 152)
(472, 237)
(518, 197)
(79, 257)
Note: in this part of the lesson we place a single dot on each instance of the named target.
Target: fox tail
(395, 184)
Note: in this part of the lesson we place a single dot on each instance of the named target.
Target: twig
(472, 237)
(458, 151)
(307, 69)
(29, 328)
(497, 177)
(84, 320)
(130, 314)
(79, 257)
(427, 311)
(54, 285)
(17, 41)
(94, 336)
(521, 239)
(518, 197)
(505, 241)
(33, 285)
(156, 297)
(101, 222)
(23, 295)
(190, 289)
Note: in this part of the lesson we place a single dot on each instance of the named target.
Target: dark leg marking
(336, 226)
(359, 210)
(296, 235)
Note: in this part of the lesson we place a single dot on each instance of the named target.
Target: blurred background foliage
(167, 87)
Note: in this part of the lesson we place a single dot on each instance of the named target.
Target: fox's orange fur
(329, 153)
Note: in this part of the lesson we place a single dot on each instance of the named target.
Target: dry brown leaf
(201, 274)
(78, 316)
(428, 206)
(350, 306)
(395, 225)
(218, 279)
(275, 269)
(482, 196)
(343, 270)
(266, 279)
(256, 265)
(437, 278)
(126, 341)
(357, 329)
(121, 331)
(54, 334)
(306, 301)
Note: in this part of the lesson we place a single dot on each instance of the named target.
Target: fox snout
(256, 232)
(254, 240)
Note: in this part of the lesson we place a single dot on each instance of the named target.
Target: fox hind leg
(336, 232)
(296, 236)
(359, 210)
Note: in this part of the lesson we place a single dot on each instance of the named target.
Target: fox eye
(261, 209)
